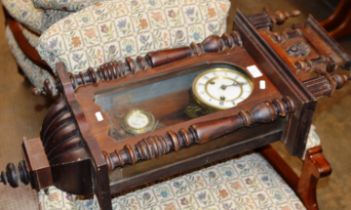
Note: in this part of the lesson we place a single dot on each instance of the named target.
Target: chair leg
(315, 166)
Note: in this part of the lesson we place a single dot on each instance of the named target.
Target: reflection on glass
(173, 98)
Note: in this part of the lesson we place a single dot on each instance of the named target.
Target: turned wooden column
(156, 146)
(117, 69)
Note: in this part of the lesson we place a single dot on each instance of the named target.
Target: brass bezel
(231, 69)
(152, 124)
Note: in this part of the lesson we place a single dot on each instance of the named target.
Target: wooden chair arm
(337, 16)
(315, 166)
(23, 43)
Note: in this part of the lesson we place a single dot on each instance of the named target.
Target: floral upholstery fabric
(117, 29)
(248, 182)
(35, 74)
(69, 5)
(32, 38)
(35, 19)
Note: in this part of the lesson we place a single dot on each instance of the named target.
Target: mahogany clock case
(83, 149)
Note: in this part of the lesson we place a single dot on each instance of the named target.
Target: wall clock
(125, 124)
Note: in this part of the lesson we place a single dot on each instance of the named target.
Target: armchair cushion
(35, 19)
(34, 73)
(69, 5)
(112, 30)
(248, 182)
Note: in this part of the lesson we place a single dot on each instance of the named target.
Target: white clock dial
(138, 120)
(222, 88)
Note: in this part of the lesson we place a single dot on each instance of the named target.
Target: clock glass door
(174, 98)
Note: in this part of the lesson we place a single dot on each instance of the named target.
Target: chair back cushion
(69, 5)
(112, 30)
(33, 18)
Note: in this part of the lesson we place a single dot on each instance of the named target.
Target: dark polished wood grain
(338, 24)
(117, 69)
(87, 151)
(153, 147)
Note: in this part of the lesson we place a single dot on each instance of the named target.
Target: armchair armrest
(315, 166)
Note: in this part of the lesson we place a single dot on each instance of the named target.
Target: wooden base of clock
(86, 148)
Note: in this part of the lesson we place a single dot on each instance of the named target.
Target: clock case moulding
(77, 153)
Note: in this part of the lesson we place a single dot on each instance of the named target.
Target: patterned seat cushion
(69, 5)
(248, 182)
(35, 74)
(116, 29)
(33, 18)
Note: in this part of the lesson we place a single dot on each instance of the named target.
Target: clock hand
(224, 87)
